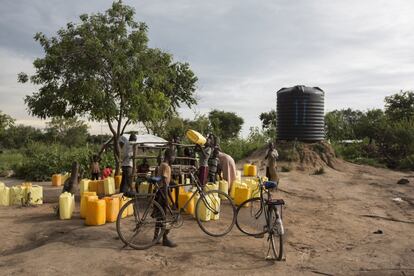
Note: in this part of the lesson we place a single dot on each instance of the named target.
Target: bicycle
(215, 213)
(260, 215)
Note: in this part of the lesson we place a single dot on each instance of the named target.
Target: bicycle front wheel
(140, 223)
(215, 213)
(251, 219)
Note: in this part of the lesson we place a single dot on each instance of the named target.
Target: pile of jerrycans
(24, 194)
(98, 202)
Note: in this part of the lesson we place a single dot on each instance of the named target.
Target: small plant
(319, 171)
(286, 169)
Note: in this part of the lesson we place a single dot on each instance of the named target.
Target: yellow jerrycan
(66, 202)
(109, 186)
(203, 213)
(195, 137)
(242, 194)
(112, 208)
(95, 211)
(57, 180)
(252, 170)
(224, 187)
(84, 201)
(84, 186)
(183, 197)
(5, 196)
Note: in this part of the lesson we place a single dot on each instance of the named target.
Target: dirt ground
(330, 220)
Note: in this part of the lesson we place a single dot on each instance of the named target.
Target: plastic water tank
(300, 114)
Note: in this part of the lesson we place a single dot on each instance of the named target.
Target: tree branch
(123, 129)
(108, 120)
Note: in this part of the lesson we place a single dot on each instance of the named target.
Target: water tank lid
(301, 89)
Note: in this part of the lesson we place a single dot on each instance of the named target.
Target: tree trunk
(71, 184)
(117, 155)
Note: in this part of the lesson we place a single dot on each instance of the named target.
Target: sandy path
(329, 221)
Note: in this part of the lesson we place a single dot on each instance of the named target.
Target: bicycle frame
(264, 206)
(199, 191)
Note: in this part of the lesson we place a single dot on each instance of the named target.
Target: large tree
(226, 125)
(5, 121)
(269, 120)
(341, 124)
(102, 68)
(400, 106)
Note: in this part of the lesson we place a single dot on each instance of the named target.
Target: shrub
(240, 148)
(286, 168)
(319, 171)
(10, 159)
(43, 160)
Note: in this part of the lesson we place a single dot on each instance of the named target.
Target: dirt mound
(297, 155)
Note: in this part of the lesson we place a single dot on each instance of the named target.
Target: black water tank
(300, 113)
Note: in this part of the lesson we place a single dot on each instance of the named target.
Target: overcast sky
(358, 52)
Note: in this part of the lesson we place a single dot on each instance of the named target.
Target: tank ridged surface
(300, 113)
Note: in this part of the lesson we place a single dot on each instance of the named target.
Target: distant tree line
(387, 135)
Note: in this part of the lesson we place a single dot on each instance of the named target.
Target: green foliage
(10, 159)
(370, 125)
(5, 122)
(102, 68)
(41, 160)
(98, 139)
(70, 132)
(400, 106)
(240, 148)
(226, 125)
(407, 162)
(16, 137)
(269, 120)
(340, 124)
(289, 154)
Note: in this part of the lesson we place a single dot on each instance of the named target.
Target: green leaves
(5, 121)
(102, 68)
(400, 106)
(226, 125)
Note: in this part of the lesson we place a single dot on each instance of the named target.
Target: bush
(240, 148)
(10, 159)
(43, 160)
(407, 163)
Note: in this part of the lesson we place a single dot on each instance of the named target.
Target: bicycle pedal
(259, 236)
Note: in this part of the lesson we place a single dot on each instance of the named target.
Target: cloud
(244, 51)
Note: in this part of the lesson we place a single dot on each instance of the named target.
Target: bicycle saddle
(270, 184)
(154, 179)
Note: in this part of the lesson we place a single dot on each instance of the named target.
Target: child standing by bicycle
(164, 171)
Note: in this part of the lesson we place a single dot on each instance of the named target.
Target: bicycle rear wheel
(144, 227)
(275, 239)
(215, 213)
(251, 219)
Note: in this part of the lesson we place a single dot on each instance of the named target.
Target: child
(95, 171)
(164, 170)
